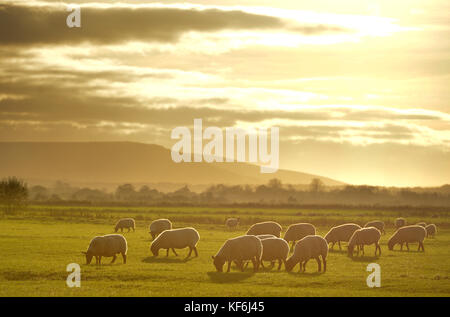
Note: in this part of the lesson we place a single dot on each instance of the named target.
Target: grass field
(37, 244)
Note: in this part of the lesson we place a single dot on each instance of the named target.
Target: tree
(13, 194)
(316, 185)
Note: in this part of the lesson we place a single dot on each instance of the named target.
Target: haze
(359, 89)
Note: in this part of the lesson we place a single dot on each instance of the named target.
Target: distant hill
(120, 162)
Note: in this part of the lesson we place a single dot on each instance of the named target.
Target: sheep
(423, 224)
(341, 233)
(176, 239)
(400, 222)
(298, 231)
(127, 223)
(362, 237)
(431, 230)
(407, 235)
(267, 227)
(265, 236)
(377, 224)
(310, 247)
(232, 222)
(158, 226)
(239, 249)
(108, 246)
(274, 249)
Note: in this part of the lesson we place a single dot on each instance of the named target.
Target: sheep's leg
(304, 265)
(407, 246)
(284, 262)
(195, 250)
(229, 266)
(324, 264)
(279, 264)
(319, 264)
(262, 264)
(255, 264)
(167, 254)
(96, 260)
(190, 251)
(173, 250)
(401, 246)
(124, 256)
(362, 248)
(114, 259)
(339, 243)
(421, 244)
(300, 270)
(332, 245)
(100, 260)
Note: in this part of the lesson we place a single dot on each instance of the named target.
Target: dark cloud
(21, 25)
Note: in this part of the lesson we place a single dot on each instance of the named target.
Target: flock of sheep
(263, 242)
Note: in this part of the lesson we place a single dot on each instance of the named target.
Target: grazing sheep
(274, 249)
(400, 222)
(310, 247)
(239, 249)
(232, 222)
(377, 224)
(265, 236)
(267, 227)
(341, 233)
(108, 246)
(298, 231)
(431, 230)
(158, 226)
(423, 224)
(362, 237)
(176, 239)
(407, 235)
(127, 223)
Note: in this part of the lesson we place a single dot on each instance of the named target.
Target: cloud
(46, 24)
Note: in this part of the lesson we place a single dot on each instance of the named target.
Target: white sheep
(267, 227)
(431, 230)
(274, 249)
(407, 235)
(377, 224)
(400, 222)
(238, 250)
(298, 231)
(127, 223)
(158, 226)
(310, 247)
(232, 222)
(265, 236)
(341, 233)
(176, 239)
(362, 237)
(422, 224)
(108, 246)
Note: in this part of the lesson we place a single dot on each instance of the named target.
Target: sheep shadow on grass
(305, 274)
(232, 277)
(363, 258)
(158, 259)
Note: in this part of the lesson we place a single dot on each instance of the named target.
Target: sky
(359, 89)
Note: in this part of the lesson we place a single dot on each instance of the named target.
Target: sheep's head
(290, 263)
(218, 263)
(154, 249)
(350, 250)
(391, 244)
(89, 257)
